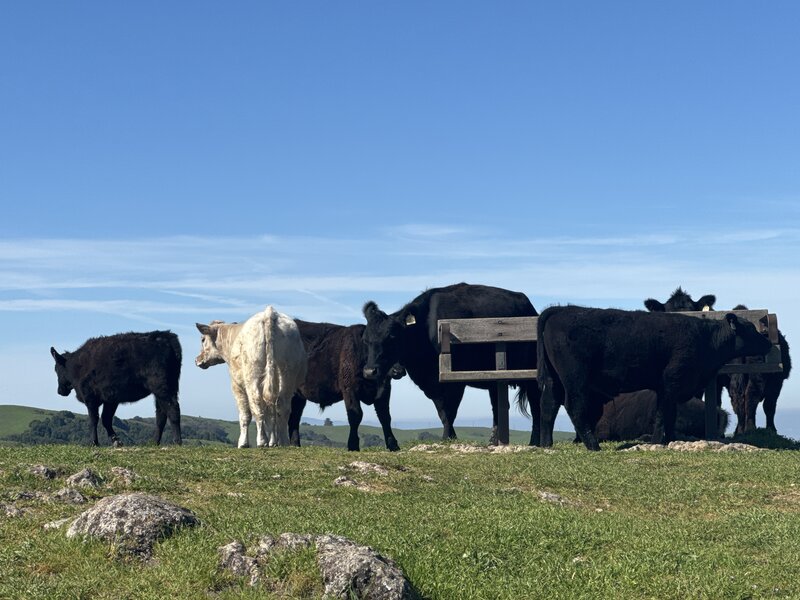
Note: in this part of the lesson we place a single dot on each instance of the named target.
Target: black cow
(124, 368)
(746, 390)
(409, 337)
(680, 301)
(588, 355)
(336, 360)
(633, 415)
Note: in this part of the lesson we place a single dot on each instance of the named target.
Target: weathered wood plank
(465, 376)
(477, 331)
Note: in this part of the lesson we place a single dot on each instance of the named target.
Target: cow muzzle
(370, 373)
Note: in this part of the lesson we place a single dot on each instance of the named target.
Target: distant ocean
(787, 421)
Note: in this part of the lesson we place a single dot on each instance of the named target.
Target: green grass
(633, 525)
(15, 419)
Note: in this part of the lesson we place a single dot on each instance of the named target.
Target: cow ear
(706, 302)
(653, 305)
(411, 319)
(58, 358)
(732, 321)
(371, 310)
(204, 329)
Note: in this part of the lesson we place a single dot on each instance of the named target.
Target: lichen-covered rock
(351, 570)
(367, 468)
(10, 510)
(232, 557)
(85, 479)
(69, 495)
(123, 475)
(697, 446)
(133, 521)
(43, 471)
(348, 570)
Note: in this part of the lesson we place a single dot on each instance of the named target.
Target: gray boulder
(85, 479)
(133, 521)
(348, 568)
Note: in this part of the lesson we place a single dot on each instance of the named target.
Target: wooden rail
(503, 330)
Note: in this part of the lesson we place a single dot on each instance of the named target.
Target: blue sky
(167, 163)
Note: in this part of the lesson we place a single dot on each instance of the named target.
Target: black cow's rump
(409, 337)
(336, 360)
(123, 368)
(586, 356)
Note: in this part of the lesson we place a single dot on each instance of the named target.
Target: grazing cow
(409, 337)
(336, 360)
(124, 368)
(631, 416)
(267, 364)
(748, 389)
(588, 355)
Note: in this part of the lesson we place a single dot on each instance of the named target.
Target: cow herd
(619, 374)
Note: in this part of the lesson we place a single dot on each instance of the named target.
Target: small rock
(69, 495)
(86, 479)
(235, 494)
(294, 541)
(349, 570)
(127, 476)
(232, 557)
(553, 498)
(428, 478)
(277, 476)
(38, 496)
(134, 521)
(365, 468)
(43, 471)
(11, 511)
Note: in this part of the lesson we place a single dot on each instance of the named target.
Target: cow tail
(543, 367)
(522, 398)
(271, 375)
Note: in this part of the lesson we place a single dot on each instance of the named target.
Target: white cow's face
(209, 353)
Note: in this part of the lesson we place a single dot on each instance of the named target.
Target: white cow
(267, 363)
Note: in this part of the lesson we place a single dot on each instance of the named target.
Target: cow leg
(280, 421)
(493, 400)
(666, 412)
(534, 401)
(354, 416)
(385, 418)
(752, 396)
(578, 411)
(94, 416)
(551, 399)
(168, 409)
(771, 393)
(108, 418)
(296, 413)
(244, 414)
(447, 406)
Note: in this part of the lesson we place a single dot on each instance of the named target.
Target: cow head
(209, 353)
(64, 381)
(680, 301)
(383, 337)
(749, 341)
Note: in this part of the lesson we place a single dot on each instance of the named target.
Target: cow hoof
(392, 446)
(116, 444)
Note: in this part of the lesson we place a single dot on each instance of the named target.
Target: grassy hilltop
(621, 524)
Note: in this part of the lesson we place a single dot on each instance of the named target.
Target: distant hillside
(27, 425)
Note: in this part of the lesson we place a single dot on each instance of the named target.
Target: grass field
(630, 525)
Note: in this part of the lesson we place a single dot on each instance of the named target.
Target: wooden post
(712, 428)
(502, 396)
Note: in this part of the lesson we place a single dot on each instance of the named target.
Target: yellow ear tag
(410, 320)
(706, 308)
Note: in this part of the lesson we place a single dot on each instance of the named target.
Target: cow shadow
(766, 438)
